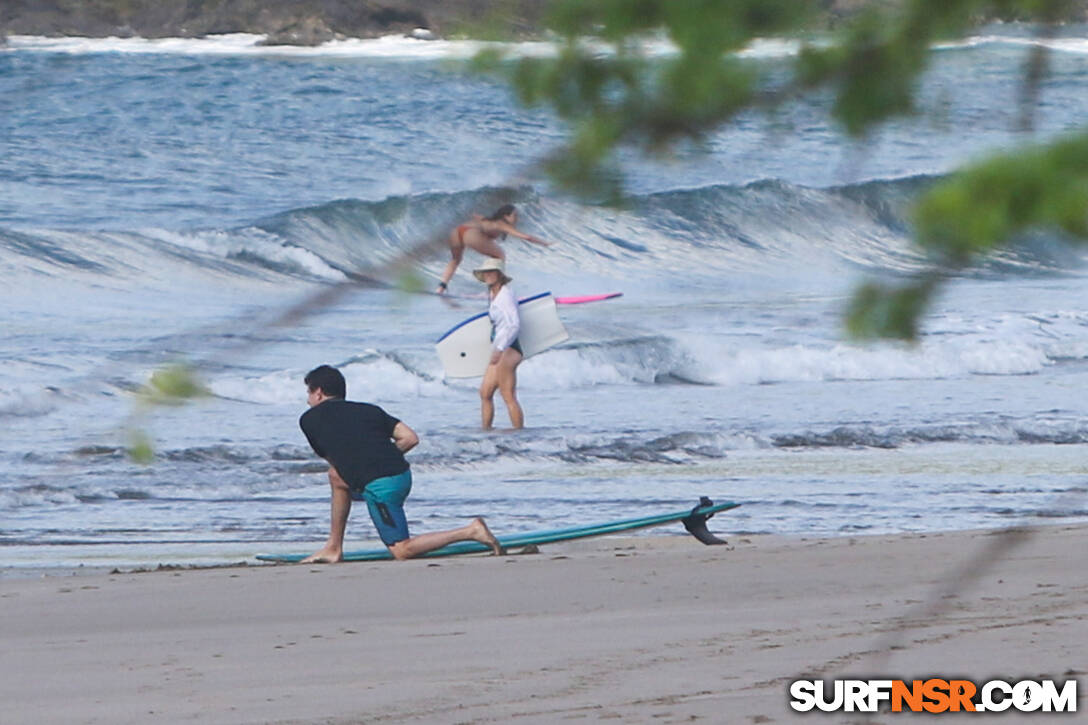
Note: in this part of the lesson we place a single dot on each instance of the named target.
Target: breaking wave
(727, 229)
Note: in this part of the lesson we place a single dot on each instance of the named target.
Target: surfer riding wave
(482, 234)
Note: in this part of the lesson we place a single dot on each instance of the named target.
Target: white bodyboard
(466, 349)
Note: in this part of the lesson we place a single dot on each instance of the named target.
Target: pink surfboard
(579, 299)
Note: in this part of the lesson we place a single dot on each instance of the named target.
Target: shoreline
(242, 555)
(125, 558)
(624, 628)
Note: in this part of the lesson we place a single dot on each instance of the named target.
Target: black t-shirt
(356, 438)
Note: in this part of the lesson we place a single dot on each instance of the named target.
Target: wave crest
(766, 226)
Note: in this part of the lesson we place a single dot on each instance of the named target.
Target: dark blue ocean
(166, 201)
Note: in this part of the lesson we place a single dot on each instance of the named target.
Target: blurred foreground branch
(609, 81)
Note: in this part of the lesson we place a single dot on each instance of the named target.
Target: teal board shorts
(385, 500)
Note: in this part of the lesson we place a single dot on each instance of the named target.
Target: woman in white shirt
(506, 353)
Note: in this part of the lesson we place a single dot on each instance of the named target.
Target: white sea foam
(697, 359)
(772, 48)
(26, 401)
(249, 44)
(390, 46)
(10, 500)
(722, 364)
(568, 369)
(255, 242)
(374, 377)
(1078, 46)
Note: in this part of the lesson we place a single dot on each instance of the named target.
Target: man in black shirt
(365, 448)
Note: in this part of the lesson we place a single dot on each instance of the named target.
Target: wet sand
(625, 630)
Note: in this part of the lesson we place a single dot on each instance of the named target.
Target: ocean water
(165, 201)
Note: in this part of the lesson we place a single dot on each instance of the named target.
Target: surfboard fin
(695, 523)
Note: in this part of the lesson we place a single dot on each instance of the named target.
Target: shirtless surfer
(483, 234)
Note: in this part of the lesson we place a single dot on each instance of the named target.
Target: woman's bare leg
(508, 382)
(457, 252)
(487, 396)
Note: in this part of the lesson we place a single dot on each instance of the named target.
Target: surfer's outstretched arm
(514, 232)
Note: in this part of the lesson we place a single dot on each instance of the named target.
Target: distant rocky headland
(308, 22)
(282, 22)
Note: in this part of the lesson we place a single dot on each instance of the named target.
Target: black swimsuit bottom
(515, 344)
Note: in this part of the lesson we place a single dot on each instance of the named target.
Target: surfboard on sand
(465, 349)
(694, 521)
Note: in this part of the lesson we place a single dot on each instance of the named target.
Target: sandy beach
(647, 629)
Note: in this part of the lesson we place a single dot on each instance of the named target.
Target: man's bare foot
(483, 534)
(325, 556)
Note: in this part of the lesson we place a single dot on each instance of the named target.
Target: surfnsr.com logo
(933, 695)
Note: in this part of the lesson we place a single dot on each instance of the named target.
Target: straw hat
(491, 263)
